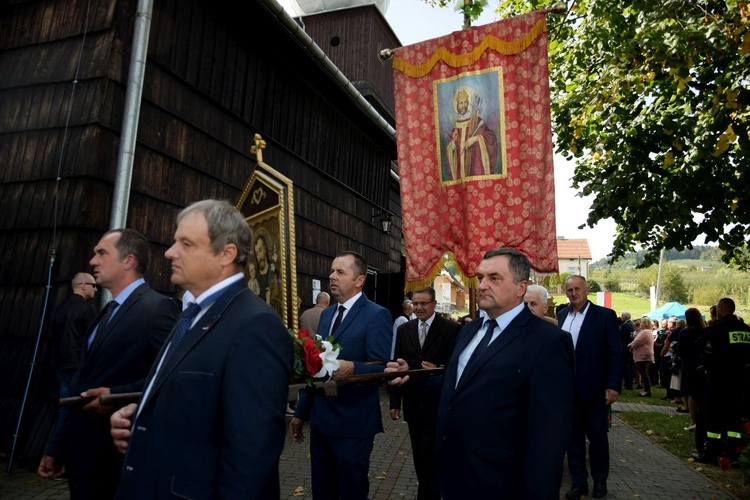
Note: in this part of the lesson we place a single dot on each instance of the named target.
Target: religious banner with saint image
(267, 202)
(475, 147)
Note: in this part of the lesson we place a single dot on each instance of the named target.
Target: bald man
(310, 319)
(69, 323)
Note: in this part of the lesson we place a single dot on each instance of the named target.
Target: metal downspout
(132, 110)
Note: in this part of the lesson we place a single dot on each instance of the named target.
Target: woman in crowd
(642, 348)
(688, 348)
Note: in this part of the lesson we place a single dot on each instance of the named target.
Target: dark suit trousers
(422, 434)
(93, 472)
(339, 466)
(589, 421)
(627, 369)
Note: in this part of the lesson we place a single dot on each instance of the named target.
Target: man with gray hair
(536, 299)
(210, 423)
(407, 310)
(310, 319)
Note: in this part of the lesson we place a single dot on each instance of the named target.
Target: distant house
(573, 256)
(451, 294)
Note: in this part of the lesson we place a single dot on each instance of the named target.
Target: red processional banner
(475, 147)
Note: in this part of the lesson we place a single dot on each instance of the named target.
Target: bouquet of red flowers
(314, 357)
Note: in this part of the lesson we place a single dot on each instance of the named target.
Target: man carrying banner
(516, 371)
(342, 429)
(210, 423)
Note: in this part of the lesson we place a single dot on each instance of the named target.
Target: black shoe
(576, 492)
(702, 458)
(665, 398)
(644, 394)
(600, 490)
(682, 410)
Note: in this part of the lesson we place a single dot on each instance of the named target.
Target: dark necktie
(491, 324)
(338, 319)
(182, 326)
(108, 309)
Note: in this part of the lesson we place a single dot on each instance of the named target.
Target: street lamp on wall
(384, 218)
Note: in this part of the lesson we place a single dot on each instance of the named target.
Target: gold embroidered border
(460, 60)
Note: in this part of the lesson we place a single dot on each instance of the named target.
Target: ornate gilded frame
(267, 202)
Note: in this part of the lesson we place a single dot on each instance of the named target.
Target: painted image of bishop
(472, 148)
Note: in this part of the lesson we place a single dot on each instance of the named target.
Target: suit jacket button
(445, 438)
(128, 468)
(140, 428)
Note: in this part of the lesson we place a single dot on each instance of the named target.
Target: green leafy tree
(674, 288)
(651, 100)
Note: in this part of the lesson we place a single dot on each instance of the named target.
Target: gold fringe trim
(422, 283)
(460, 60)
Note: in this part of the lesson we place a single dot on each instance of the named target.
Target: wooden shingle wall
(213, 80)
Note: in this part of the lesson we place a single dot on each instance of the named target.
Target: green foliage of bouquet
(315, 359)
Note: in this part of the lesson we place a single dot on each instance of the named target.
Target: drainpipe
(129, 132)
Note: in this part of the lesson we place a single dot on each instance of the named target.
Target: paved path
(639, 468)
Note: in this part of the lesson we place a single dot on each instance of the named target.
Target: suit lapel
(432, 333)
(197, 332)
(112, 324)
(350, 315)
(464, 337)
(326, 318)
(506, 337)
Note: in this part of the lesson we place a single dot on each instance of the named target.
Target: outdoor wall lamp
(384, 217)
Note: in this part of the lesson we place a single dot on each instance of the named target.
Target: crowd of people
(703, 366)
(205, 425)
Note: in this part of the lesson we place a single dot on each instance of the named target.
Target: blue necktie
(338, 319)
(108, 309)
(482, 346)
(183, 325)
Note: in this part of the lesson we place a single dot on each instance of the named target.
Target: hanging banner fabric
(475, 147)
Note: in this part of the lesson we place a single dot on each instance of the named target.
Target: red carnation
(303, 334)
(313, 363)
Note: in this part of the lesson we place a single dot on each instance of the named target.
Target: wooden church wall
(209, 87)
(352, 38)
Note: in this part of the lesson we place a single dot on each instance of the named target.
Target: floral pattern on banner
(502, 195)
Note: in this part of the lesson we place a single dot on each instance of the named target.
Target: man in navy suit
(598, 384)
(426, 342)
(343, 428)
(210, 423)
(507, 401)
(118, 350)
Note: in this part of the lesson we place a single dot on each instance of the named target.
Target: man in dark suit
(426, 342)
(343, 428)
(210, 423)
(626, 337)
(507, 401)
(118, 351)
(598, 384)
